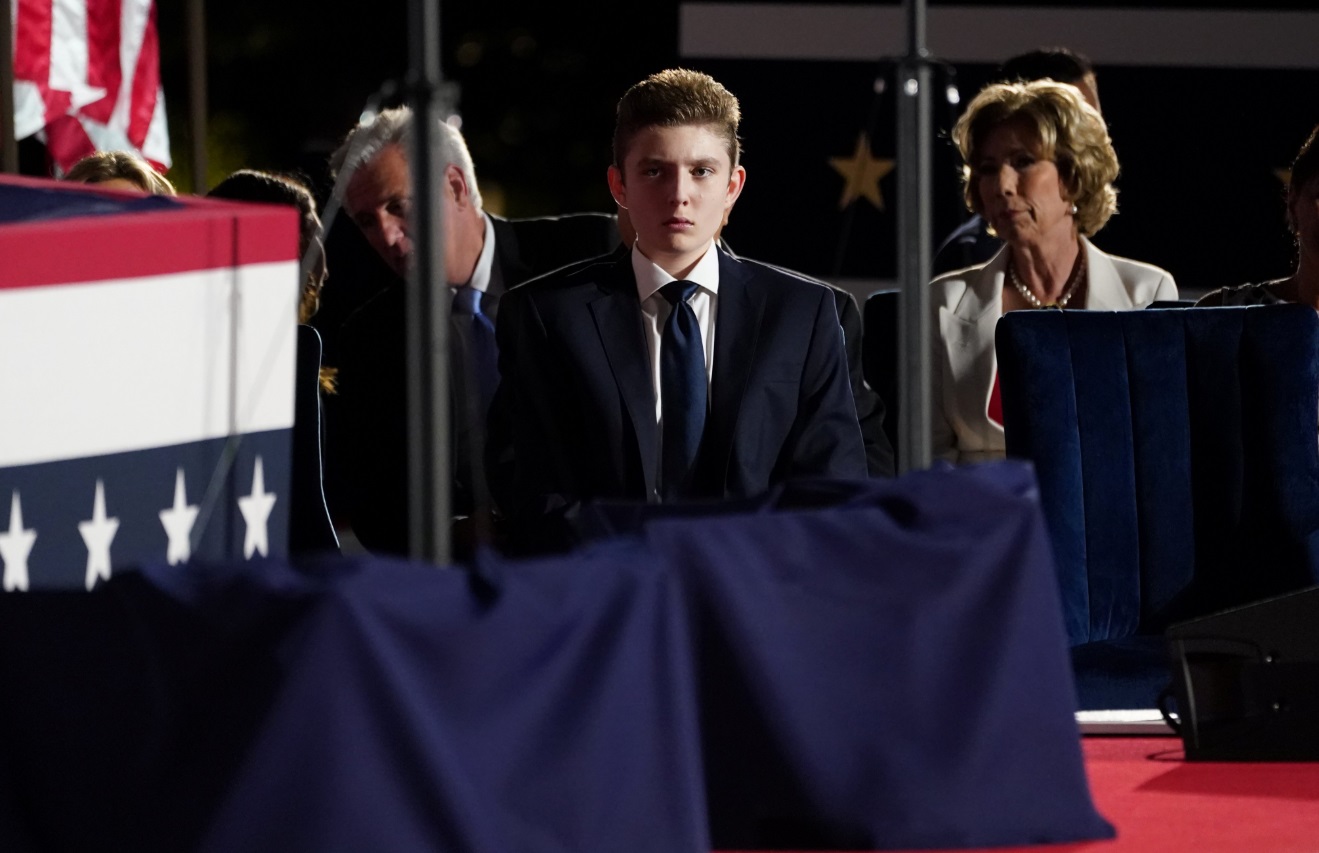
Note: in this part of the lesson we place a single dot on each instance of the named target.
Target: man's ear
(617, 188)
(455, 183)
(736, 182)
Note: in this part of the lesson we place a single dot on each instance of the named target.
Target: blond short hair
(1068, 131)
(124, 165)
(675, 98)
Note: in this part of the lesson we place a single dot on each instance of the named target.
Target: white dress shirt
(485, 262)
(655, 310)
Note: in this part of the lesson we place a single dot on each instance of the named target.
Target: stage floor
(1159, 802)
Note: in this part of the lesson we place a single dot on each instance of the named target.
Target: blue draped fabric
(42, 204)
(887, 674)
(865, 664)
(547, 707)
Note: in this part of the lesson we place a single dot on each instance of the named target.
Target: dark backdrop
(1199, 147)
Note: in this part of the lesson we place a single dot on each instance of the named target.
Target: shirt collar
(650, 277)
(481, 275)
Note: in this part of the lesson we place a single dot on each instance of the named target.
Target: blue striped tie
(682, 390)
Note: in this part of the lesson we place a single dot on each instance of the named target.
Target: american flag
(146, 404)
(87, 78)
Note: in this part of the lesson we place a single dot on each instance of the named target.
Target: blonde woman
(1039, 167)
(120, 170)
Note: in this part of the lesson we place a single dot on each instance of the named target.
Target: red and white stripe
(165, 327)
(87, 78)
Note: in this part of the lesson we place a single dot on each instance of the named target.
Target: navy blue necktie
(682, 390)
(482, 351)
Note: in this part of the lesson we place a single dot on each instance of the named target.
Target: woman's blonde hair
(1068, 131)
(108, 165)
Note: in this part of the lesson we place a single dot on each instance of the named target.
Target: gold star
(862, 172)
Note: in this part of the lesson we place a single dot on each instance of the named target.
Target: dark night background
(537, 84)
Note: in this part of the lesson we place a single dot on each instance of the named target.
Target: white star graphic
(256, 509)
(97, 534)
(178, 521)
(15, 545)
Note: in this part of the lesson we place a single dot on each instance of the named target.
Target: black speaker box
(1246, 681)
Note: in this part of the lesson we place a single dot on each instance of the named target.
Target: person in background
(484, 256)
(310, 527)
(971, 243)
(1039, 168)
(119, 170)
(271, 188)
(1303, 218)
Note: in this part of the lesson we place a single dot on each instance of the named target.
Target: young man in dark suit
(675, 371)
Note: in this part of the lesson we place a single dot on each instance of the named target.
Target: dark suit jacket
(576, 388)
(368, 441)
(870, 409)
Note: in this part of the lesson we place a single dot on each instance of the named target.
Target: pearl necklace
(1034, 300)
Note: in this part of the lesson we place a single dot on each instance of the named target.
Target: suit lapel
(967, 331)
(617, 315)
(1106, 291)
(508, 267)
(737, 330)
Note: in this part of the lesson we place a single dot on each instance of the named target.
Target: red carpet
(1158, 802)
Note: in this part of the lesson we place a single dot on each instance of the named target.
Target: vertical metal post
(914, 244)
(8, 142)
(197, 106)
(428, 302)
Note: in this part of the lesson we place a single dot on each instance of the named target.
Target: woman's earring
(1073, 208)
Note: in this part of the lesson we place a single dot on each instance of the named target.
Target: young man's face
(677, 183)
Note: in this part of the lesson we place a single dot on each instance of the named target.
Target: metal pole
(8, 144)
(914, 164)
(428, 303)
(197, 92)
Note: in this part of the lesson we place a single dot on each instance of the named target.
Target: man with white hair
(483, 256)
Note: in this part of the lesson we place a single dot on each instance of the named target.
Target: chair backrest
(879, 354)
(1176, 452)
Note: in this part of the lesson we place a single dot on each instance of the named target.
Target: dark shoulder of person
(969, 245)
(787, 278)
(551, 242)
(1262, 293)
(573, 275)
(619, 252)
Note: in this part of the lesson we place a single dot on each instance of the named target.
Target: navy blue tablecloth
(850, 665)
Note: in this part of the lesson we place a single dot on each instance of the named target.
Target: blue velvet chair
(1178, 468)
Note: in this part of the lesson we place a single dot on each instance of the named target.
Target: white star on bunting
(178, 521)
(15, 545)
(256, 509)
(97, 534)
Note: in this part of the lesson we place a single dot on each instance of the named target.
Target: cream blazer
(967, 305)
